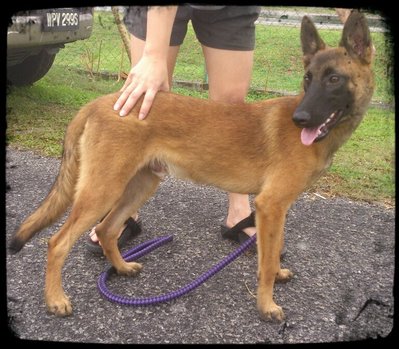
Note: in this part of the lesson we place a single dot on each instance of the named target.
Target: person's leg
(227, 36)
(136, 23)
(136, 51)
(229, 75)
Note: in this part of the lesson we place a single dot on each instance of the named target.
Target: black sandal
(236, 233)
(132, 229)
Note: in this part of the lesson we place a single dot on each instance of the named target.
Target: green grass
(103, 51)
(277, 60)
(363, 169)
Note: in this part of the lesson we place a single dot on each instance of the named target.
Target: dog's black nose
(301, 117)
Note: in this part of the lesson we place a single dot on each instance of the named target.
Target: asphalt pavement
(341, 253)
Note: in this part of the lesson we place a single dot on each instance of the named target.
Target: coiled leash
(150, 245)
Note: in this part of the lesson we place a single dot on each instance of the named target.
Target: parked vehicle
(34, 38)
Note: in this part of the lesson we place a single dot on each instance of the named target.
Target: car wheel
(31, 69)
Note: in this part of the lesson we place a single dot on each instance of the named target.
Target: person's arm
(150, 74)
(343, 14)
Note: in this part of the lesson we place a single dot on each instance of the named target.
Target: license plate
(60, 20)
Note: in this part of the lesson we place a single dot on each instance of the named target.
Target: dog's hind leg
(82, 217)
(93, 200)
(139, 189)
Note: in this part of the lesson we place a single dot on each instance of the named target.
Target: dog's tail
(61, 194)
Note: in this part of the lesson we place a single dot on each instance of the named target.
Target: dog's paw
(284, 275)
(271, 312)
(130, 269)
(60, 306)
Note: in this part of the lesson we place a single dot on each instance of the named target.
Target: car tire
(31, 69)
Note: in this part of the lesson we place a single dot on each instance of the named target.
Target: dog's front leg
(270, 218)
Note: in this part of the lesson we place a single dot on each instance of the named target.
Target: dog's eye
(307, 77)
(333, 79)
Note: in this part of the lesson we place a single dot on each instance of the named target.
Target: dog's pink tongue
(308, 135)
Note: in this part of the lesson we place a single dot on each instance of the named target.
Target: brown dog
(275, 148)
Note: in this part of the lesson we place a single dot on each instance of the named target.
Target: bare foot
(93, 235)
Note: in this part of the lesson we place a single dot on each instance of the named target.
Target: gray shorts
(227, 28)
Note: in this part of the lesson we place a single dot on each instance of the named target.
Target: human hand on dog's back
(150, 74)
(147, 77)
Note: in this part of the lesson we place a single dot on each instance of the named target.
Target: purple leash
(150, 245)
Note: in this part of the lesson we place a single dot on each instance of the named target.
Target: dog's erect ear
(310, 40)
(356, 37)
